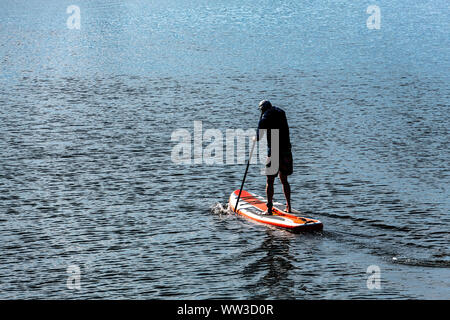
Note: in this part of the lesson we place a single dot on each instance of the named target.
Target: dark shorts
(286, 164)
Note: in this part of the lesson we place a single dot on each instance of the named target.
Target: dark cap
(264, 105)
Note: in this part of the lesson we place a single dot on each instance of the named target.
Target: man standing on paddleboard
(279, 158)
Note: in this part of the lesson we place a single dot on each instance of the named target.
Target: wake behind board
(252, 206)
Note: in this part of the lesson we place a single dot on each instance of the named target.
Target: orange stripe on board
(251, 199)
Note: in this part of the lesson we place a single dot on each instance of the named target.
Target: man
(275, 118)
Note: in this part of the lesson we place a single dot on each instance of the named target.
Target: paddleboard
(252, 206)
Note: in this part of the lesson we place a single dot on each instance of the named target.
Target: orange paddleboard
(252, 206)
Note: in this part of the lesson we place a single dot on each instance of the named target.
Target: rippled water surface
(86, 170)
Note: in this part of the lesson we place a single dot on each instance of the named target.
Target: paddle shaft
(246, 169)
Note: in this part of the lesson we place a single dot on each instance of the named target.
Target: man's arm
(261, 125)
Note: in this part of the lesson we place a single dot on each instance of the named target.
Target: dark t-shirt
(275, 118)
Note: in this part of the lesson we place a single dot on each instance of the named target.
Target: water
(86, 176)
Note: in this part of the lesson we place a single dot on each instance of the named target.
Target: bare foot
(287, 209)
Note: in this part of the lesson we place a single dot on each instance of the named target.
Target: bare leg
(286, 191)
(269, 192)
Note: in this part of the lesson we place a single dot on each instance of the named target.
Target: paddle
(246, 169)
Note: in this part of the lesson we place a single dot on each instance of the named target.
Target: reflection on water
(269, 275)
